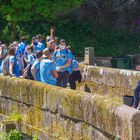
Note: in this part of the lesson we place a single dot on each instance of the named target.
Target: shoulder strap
(67, 50)
(34, 56)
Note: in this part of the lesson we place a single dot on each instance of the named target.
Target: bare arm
(55, 74)
(11, 68)
(33, 71)
(66, 65)
(52, 34)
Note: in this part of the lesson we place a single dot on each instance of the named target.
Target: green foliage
(2, 136)
(35, 137)
(34, 17)
(14, 117)
(116, 138)
(15, 135)
(16, 11)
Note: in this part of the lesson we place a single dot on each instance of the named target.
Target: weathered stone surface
(62, 113)
(115, 82)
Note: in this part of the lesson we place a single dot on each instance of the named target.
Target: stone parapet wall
(109, 81)
(57, 113)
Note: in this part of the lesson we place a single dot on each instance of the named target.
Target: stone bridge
(55, 113)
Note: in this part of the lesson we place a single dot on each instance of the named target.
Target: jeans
(136, 95)
(62, 79)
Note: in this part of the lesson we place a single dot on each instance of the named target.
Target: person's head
(34, 41)
(39, 54)
(39, 37)
(12, 51)
(46, 53)
(15, 44)
(3, 49)
(3, 45)
(22, 39)
(62, 44)
(30, 49)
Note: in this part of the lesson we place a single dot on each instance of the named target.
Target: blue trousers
(136, 95)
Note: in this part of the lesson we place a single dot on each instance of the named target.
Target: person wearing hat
(63, 57)
(48, 72)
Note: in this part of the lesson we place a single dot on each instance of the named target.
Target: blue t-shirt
(36, 65)
(40, 46)
(0, 65)
(61, 56)
(75, 64)
(31, 58)
(21, 48)
(16, 66)
(46, 68)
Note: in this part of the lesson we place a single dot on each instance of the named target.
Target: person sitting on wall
(63, 57)
(48, 72)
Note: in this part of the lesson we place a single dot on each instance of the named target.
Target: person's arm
(53, 70)
(66, 65)
(33, 71)
(54, 57)
(25, 59)
(55, 74)
(52, 34)
(11, 69)
(29, 61)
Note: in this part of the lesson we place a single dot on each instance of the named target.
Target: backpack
(29, 73)
(5, 66)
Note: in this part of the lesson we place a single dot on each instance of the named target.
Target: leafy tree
(16, 11)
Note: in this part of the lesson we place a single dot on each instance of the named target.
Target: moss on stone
(14, 117)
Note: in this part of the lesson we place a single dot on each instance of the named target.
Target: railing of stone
(109, 81)
(58, 113)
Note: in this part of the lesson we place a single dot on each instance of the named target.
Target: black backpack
(29, 73)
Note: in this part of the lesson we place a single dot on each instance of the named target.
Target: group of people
(52, 63)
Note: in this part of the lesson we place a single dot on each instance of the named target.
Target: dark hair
(30, 47)
(23, 39)
(39, 36)
(39, 54)
(53, 27)
(11, 51)
(33, 38)
(62, 41)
